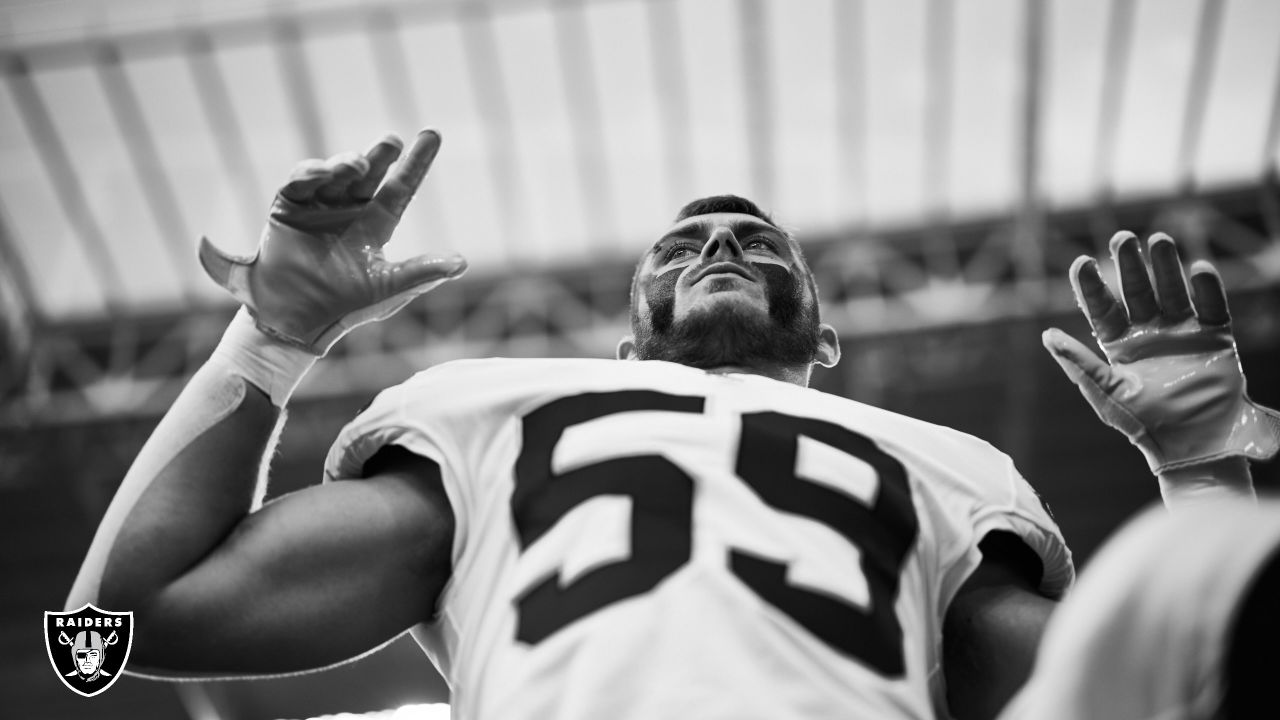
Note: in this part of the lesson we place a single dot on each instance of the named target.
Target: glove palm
(1172, 382)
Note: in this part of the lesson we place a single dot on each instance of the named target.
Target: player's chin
(727, 309)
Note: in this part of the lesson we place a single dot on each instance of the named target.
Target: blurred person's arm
(1173, 617)
(218, 582)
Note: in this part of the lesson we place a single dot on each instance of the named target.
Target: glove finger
(380, 156)
(304, 179)
(1076, 360)
(1135, 284)
(1210, 295)
(420, 271)
(345, 169)
(1106, 315)
(398, 190)
(229, 271)
(1171, 283)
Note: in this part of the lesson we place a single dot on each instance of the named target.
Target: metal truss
(872, 284)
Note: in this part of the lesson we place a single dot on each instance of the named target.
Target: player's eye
(675, 252)
(760, 242)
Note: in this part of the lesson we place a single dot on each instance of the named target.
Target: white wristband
(271, 365)
(1222, 479)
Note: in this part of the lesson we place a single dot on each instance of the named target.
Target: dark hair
(723, 204)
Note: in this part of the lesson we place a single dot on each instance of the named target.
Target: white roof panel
(577, 129)
(50, 254)
(633, 142)
(81, 116)
(1238, 107)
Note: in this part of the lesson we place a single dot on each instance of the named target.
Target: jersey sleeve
(388, 420)
(975, 490)
(1025, 514)
(420, 415)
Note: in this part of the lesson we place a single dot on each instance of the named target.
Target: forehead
(703, 225)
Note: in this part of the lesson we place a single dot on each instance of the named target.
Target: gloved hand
(319, 270)
(1172, 382)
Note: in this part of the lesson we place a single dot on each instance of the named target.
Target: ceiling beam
(299, 86)
(394, 77)
(1030, 234)
(666, 46)
(586, 120)
(249, 27)
(1203, 63)
(484, 67)
(228, 134)
(157, 187)
(849, 38)
(40, 127)
(1270, 160)
(939, 60)
(1115, 72)
(759, 98)
(16, 270)
(939, 64)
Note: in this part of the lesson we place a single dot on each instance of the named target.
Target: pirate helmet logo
(88, 647)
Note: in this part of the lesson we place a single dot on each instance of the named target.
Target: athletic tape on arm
(214, 392)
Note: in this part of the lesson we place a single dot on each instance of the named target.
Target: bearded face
(725, 289)
(723, 324)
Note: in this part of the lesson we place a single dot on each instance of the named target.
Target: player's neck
(796, 375)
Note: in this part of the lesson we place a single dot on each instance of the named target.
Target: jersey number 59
(661, 496)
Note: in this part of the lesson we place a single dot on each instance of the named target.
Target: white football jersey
(648, 540)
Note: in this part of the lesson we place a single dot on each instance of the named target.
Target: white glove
(1174, 385)
(319, 270)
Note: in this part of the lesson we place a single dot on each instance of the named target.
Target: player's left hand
(1172, 381)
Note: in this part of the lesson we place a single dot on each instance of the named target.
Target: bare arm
(217, 583)
(993, 628)
(311, 579)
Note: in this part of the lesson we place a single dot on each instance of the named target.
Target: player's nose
(721, 245)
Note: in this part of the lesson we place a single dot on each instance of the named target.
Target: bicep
(311, 579)
(993, 627)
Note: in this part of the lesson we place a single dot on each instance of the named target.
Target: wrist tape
(267, 363)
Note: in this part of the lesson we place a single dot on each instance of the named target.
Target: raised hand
(1172, 381)
(319, 270)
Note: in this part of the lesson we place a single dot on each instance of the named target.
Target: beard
(731, 335)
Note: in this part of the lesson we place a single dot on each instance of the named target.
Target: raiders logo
(88, 647)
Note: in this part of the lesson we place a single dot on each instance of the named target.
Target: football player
(689, 531)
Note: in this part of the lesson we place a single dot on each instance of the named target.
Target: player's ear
(828, 346)
(627, 348)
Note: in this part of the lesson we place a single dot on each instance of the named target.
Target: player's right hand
(319, 270)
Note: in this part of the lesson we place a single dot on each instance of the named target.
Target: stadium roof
(574, 130)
